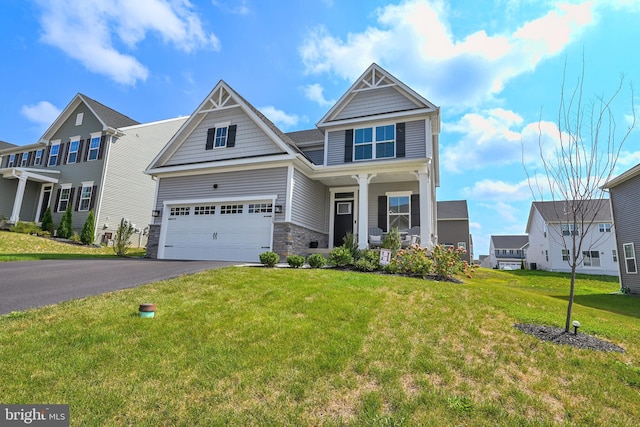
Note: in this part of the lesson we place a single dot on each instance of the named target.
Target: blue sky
(494, 67)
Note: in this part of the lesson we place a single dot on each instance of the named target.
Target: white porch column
(426, 220)
(363, 208)
(17, 203)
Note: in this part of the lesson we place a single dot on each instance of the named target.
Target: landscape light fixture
(576, 325)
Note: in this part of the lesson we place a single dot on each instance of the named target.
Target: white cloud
(497, 190)
(239, 9)
(43, 113)
(279, 117)
(315, 93)
(415, 36)
(86, 31)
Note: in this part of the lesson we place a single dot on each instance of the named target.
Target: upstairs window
(221, 137)
(12, 161)
(604, 228)
(565, 254)
(38, 159)
(53, 155)
(79, 118)
(374, 143)
(72, 157)
(569, 230)
(24, 160)
(94, 148)
(85, 197)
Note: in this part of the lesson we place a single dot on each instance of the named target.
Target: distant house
(453, 226)
(91, 158)
(624, 197)
(232, 185)
(507, 252)
(550, 227)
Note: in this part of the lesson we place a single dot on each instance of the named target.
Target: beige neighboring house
(91, 158)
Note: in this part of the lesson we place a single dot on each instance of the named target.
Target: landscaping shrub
(415, 261)
(65, 229)
(351, 244)
(25, 228)
(89, 229)
(295, 261)
(269, 259)
(122, 240)
(317, 261)
(75, 237)
(340, 256)
(447, 261)
(47, 221)
(369, 260)
(392, 241)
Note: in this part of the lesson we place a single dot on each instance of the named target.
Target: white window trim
(79, 119)
(37, 160)
(626, 267)
(97, 150)
(71, 141)
(587, 255)
(398, 194)
(24, 160)
(85, 184)
(374, 143)
(62, 188)
(12, 160)
(53, 144)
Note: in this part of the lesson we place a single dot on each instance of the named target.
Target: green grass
(24, 247)
(254, 346)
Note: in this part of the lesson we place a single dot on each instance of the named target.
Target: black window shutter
(94, 190)
(348, 146)
(86, 151)
(211, 137)
(400, 140)
(55, 207)
(415, 210)
(79, 154)
(382, 212)
(6, 162)
(19, 159)
(78, 200)
(102, 143)
(30, 158)
(45, 157)
(231, 136)
(71, 193)
(62, 153)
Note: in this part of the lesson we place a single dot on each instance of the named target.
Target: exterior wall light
(278, 209)
(155, 213)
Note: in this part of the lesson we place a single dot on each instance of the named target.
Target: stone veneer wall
(291, 239)
(152, 241)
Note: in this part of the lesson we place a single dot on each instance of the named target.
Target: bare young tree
(583, 158)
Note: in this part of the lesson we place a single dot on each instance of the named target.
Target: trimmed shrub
(415, 261)
(317, 261)
(295, 261)
(369, 260)
(65, 229)
(25, 228)
(351, 244)
(47, 221)
(89, 229)
(269, 259)
(340, 256)
(392, 241)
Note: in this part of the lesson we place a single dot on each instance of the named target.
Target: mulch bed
(559, 336)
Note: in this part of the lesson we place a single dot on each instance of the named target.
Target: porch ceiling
(381, 177)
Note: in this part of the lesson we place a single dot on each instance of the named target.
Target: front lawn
(24, 247)
(254, 346)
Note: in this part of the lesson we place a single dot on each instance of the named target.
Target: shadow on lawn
(625, 305)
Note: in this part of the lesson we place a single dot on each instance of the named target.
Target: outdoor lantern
(155, 213)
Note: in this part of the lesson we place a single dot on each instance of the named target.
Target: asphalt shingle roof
(560, 211)
(509, 242)
(111, 117)
(453, 209)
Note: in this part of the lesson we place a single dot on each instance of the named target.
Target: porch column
(17, 203)
(426, 220)
(363, 208)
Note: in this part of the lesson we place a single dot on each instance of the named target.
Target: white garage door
(237, 231)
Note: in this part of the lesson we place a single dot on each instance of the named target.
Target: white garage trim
(168, 204)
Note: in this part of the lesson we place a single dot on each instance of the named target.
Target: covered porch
(32, 185)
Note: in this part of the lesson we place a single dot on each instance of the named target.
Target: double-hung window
(24, 160)
(12, 160)
(85, 196)
(630, 258)
(591, 258)
(74, 145)
(374, 143)
(65, 195)
(94, 147)
(604, 228)
(565, 254)
(53, 155)
(569, 230)
(221, 137)
(38, 159)
(399, 212)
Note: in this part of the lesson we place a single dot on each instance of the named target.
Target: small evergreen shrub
(369, 260)
(65, 229)
(392, 241)
(75, 237)
(269, 259)
(295, 261)
(89, 229)
(340, 256)
(25, 228)
(351, 244)
(317, 261)
(47, 221)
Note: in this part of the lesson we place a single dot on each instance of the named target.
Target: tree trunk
(567, 324)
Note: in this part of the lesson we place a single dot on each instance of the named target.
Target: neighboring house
(624, 196)
(550, 227)
(231, 185)
(453, 226)
(92, 158)
(484, 261)
(508, 252)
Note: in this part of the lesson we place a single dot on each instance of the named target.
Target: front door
(343, 221)
(46, 198)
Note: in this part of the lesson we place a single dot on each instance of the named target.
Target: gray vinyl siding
(8, 188)
(625, 202)
(379, 101)
(69, 129)
(128, 192)
(415, 143)
(310, 208)
(450, 232)
(376, 190)
(230, 184)
(251, 140)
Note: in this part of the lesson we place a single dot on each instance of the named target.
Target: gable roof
(452, 209)
(625, 176)
(5, 145)
(307, 137)
(375, 78)
(559, 211)
(510, 242)
(223, 96)
(108, 117)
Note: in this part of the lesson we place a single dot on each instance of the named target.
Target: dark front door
(343, 221)
(46, 198)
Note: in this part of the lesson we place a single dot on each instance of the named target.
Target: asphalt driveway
(28, 284)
